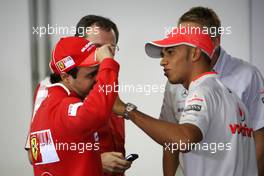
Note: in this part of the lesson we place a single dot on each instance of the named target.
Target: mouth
(166, 72)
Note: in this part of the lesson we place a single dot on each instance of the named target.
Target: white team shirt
(239, 76)
(227, 147)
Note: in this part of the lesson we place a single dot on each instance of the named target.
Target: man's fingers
(121, 166)
(114, 162)
(122, 162)
(118, 154)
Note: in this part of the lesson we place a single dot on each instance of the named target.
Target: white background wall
(138, 22)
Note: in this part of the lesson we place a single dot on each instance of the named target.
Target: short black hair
(102, 22)
(206, 58)
(55, 78)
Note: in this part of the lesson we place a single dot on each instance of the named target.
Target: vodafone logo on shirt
(241, 128)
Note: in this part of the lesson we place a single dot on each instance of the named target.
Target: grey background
(138, 22)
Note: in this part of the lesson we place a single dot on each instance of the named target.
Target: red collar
(203, 74)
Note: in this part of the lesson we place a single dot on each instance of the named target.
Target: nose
(163, 62)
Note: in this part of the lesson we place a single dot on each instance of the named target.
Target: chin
(173, 81)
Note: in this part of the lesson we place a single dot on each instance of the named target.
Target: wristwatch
(129, 107)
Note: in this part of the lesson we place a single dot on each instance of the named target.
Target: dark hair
(55, 78)
(102, 22)
(203, 16)
(206, 58)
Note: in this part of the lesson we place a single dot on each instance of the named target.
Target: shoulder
(235, 66)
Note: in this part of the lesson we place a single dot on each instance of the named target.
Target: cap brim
(90, 61)
(153, 49)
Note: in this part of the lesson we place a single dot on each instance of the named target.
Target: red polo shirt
(63, 137)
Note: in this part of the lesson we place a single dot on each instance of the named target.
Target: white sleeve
(40, 94)
(255, 101)
(167, 112)
(196, 110)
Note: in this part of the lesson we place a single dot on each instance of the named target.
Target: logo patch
(193, 107)
(184, 93)
(65, 63)
(241, 114)
(87, 47)
(34, 147)
(42, 147)
(72, 110)
(96, 137)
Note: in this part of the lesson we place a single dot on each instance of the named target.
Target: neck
(195, 73)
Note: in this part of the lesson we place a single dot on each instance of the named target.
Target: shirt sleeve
(87, 116)
(167, 112)
(196, 110)
(40, 95)
(255, 101)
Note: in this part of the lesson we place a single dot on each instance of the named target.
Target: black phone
(131, 157)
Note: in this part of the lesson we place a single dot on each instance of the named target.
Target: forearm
(259, 141)
(166, 133)
(96, 108)
(170, 162)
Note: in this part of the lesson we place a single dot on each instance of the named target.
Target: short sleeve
(196, 110)
(255, 101)
(167, 112)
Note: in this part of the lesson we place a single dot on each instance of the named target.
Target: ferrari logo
(34, 147)
(61, 65)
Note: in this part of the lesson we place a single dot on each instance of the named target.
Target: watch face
(130, 107)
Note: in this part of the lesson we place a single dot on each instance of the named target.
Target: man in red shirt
(63, 134)
(112, 134)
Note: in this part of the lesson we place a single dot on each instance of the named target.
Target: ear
(196, 54)
(65, 77)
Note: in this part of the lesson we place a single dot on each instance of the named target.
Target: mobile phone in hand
(131, 157)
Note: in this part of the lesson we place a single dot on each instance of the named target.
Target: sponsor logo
(241, 114)
(42, 147)
(61, 65)
(242, 129)
(34, 147)
(193, 107)
(87, 47)
(65, 63)
(72, 110)
(184, 93)
(180, 109)
(96, 137)
(196, 99)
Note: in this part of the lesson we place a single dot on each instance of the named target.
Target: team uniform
(111, 135)
(240, 77)
(64, 123)
(227, 147)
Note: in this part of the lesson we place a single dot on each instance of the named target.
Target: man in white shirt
(214, 130)
(239, 76)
